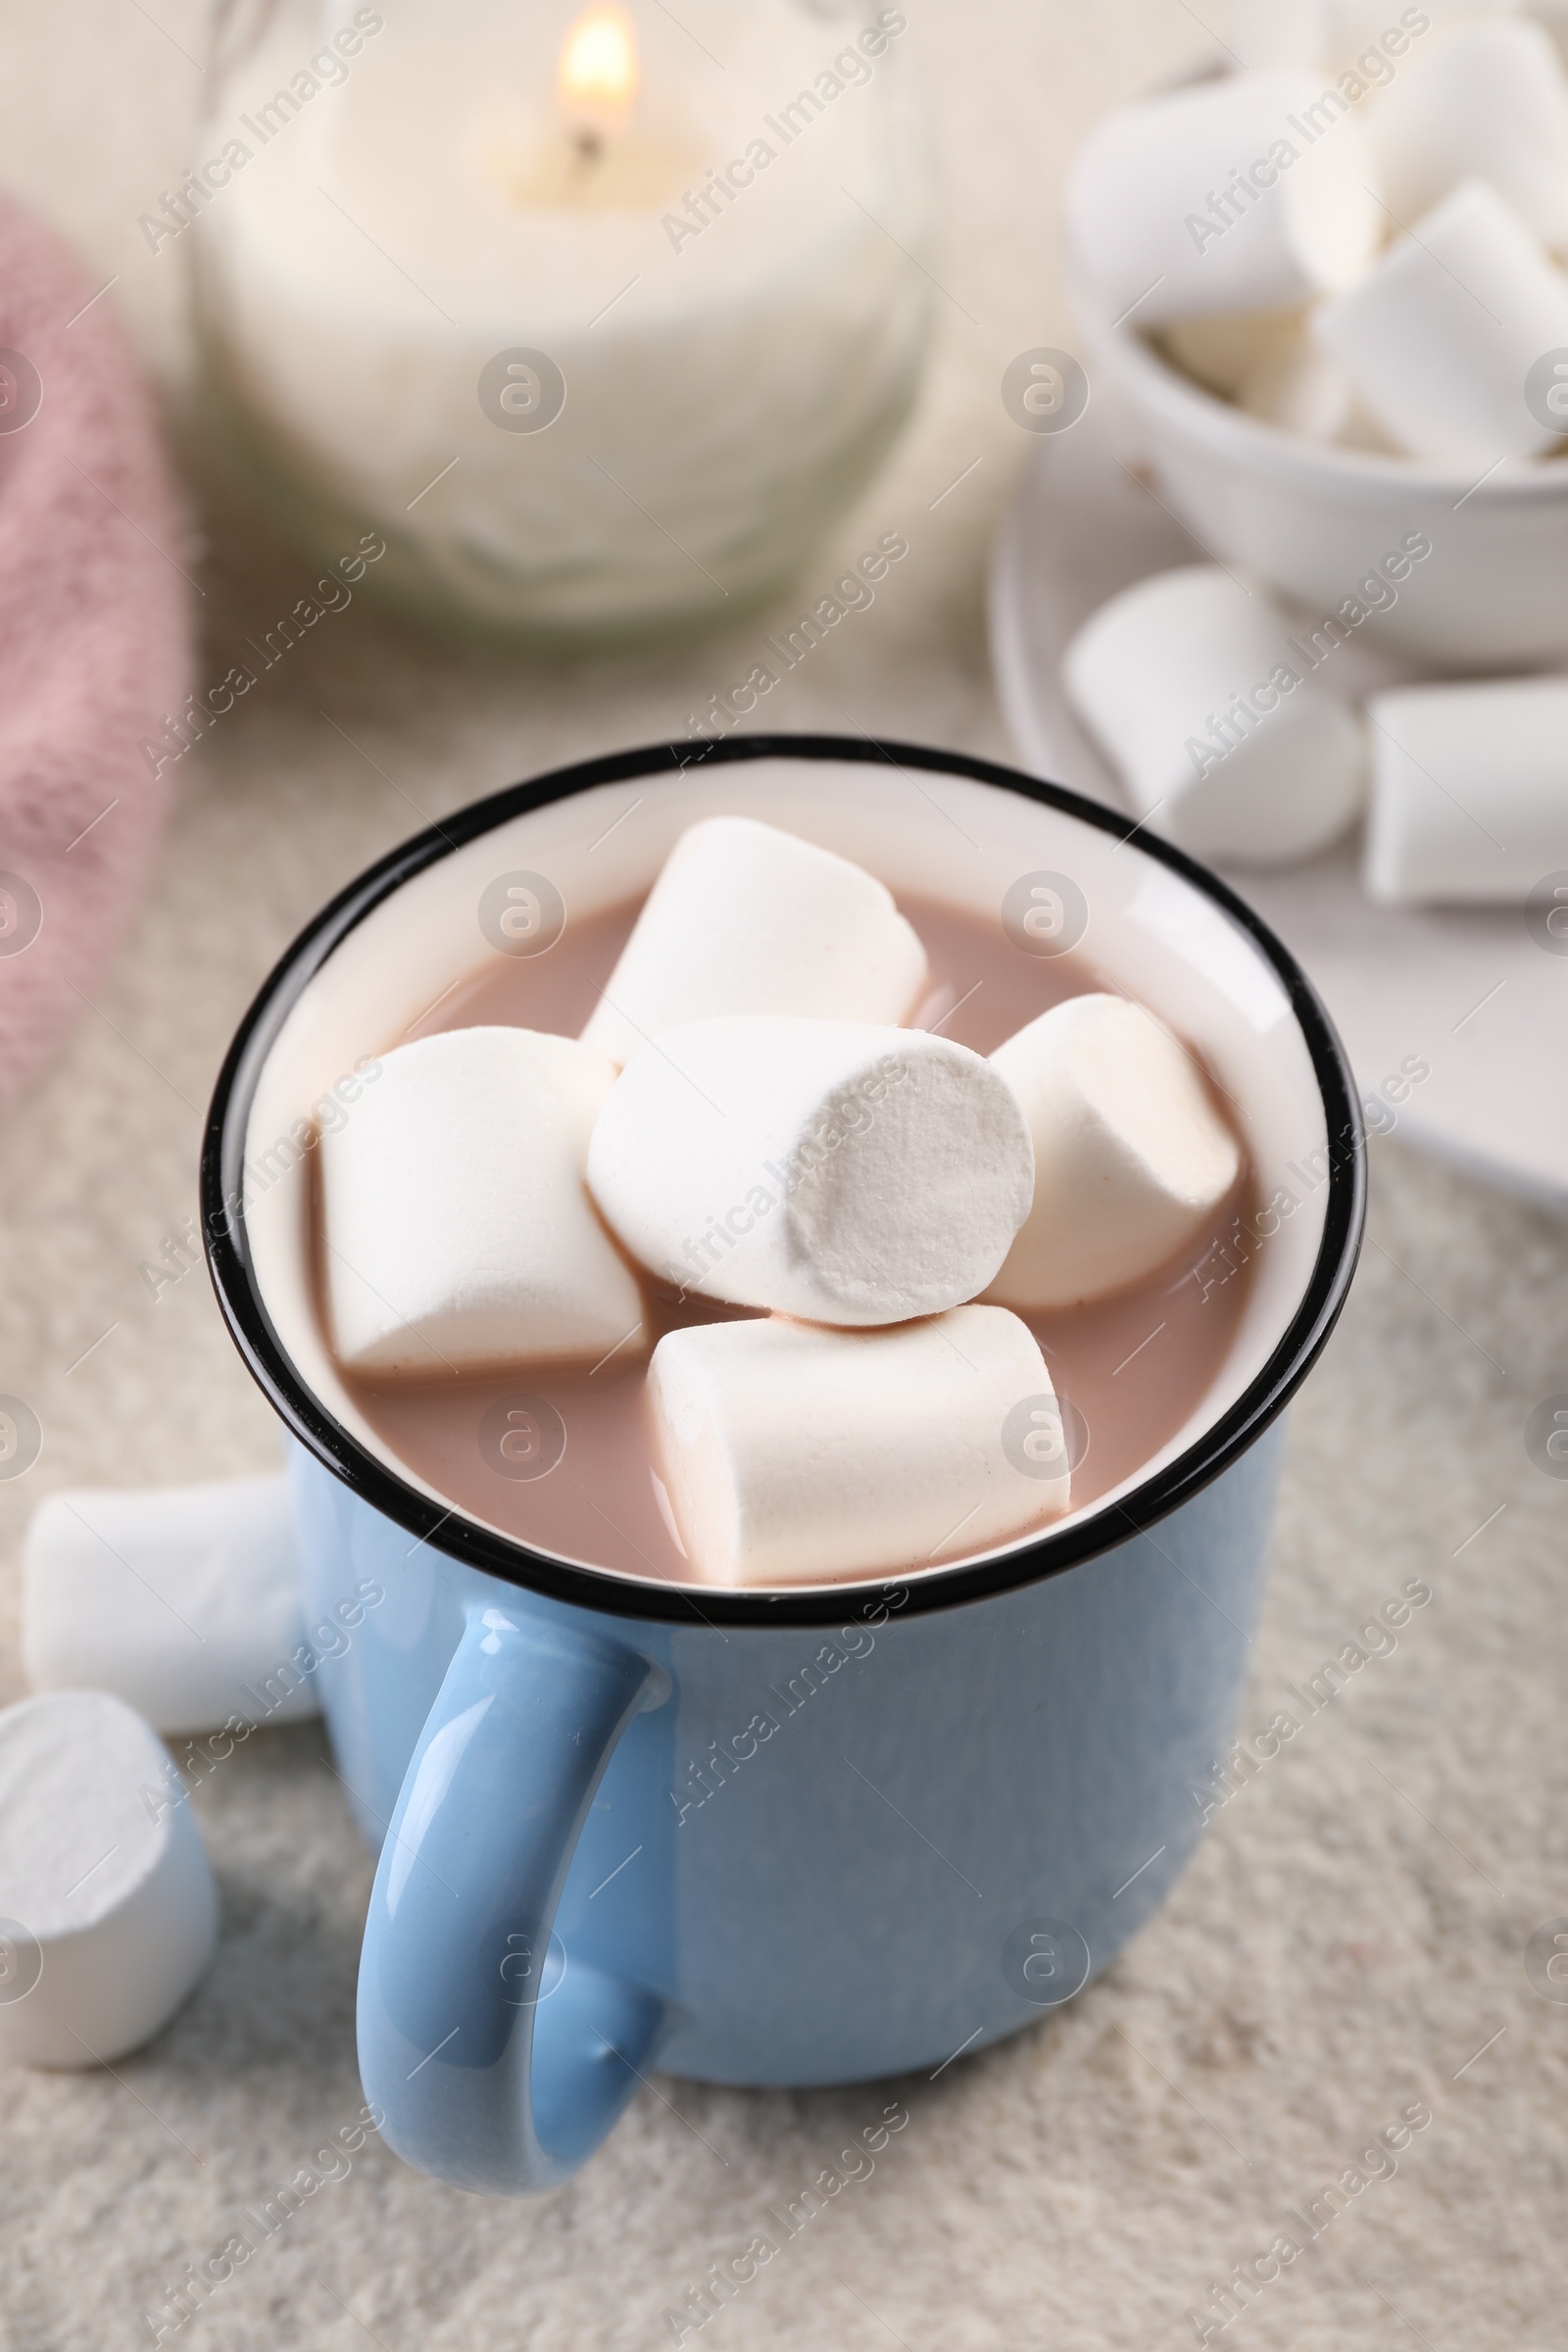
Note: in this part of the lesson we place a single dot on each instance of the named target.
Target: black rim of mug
(603, 1590)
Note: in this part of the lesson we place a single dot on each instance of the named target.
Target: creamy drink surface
(1128, 1370)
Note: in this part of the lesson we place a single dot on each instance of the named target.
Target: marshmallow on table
(1489, 103)
(827, 1170)
(1208, 201)
(1131, 1157)
(1469, 792)
(794, 1454)
(107, 1912)
(458, 1231)
(1220, 741)
(1441, 336)
(175, 1598)
(744, 918)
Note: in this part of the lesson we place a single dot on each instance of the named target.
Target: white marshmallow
(1157, 230)
(1470, 792)
(1297, 388)
(108, 1911)
(795, 1456)
(1489, 103)
(828, 1169)
(1440, 338)
(1164, 677)
(1131, 1157)
(458, 1230)
(744, 918)
(1360, 429)
(173, 1599)
(1223, 353)
(1294, 386)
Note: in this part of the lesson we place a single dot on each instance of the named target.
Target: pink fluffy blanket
(95, 637)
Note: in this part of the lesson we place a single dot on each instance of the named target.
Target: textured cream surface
(1351, 1931)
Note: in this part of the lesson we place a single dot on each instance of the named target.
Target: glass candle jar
(598, 319)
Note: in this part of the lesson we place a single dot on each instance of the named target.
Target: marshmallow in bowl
(109, 1911)
(1297, 388)
(1131, 1157)
(793, 1455)
(832, 1170)
(1164, 225)
(1469, 806)
(1220, 736)
(1440, 338)
(1223, 353)
(1489, 103)
(745, 919)
(174, 1597)
(458, 1233)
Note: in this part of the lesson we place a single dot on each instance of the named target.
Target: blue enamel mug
(796, 1838)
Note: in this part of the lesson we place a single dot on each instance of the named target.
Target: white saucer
(1466, 992)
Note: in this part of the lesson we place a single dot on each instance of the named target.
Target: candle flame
(599, 73)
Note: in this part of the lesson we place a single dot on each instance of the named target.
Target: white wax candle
(721, 278)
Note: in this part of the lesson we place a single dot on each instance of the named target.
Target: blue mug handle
(495, 2071)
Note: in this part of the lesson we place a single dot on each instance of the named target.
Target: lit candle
(599, 322)
(599, 76)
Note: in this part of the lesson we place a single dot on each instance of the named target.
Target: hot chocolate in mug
(762, 1837)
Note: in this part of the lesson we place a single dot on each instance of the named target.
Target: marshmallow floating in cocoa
(1469, 793)
(1441, 337)
(458, 1231)
(1221, 738)
(794, 1454)
(175, 1598)
(108, 1911)
(1489, 103)
(1208, 201)
(828, 1169)
(1131, 1157)
(745, 919)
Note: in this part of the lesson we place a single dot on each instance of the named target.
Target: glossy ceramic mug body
(800, 1837)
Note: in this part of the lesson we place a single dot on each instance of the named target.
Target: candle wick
(589, 144)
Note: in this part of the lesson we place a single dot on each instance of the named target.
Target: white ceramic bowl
(1311, 521)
